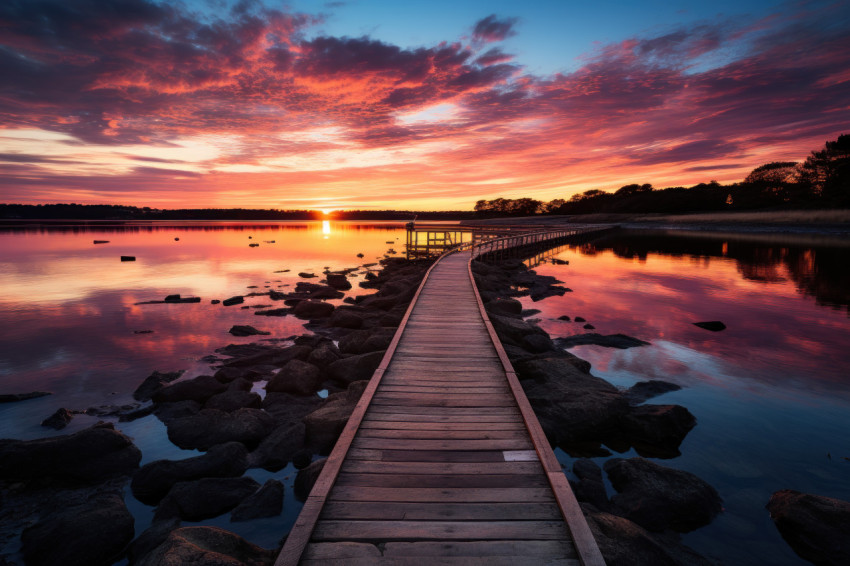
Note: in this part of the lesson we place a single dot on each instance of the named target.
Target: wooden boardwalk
(443, 461)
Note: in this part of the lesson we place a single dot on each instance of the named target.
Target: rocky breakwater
(64, 497)
(588, 417)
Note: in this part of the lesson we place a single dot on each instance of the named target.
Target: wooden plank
(430, 511)
(392, 416)
(426, 455)
(446, 411)
(453, 445)
(381, 467)
(479, 434)
(444, 495)
(444, 561)
(442, 480)
(509, 548)
(369, 424)
(440, 530)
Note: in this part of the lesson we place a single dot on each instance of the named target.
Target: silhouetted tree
(827, 172)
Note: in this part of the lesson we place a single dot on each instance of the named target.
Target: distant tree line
(822, 181)
(84, 212)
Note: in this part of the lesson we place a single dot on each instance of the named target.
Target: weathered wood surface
(442, 465)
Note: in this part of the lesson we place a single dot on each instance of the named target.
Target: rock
(267, 502)
(207, 546)
(246, 330)
(572, 406)
(306, 275)
(564, 317)
(15, 397)
(296, 377)
(591, 487)
(579, 319)
(306, 479)
(515, 330)
(504, 307)
(275, 451)
(154, 536)
(94, 533)
(253, 355)
(645, 390)
(346, 318)
(215, 301)
(167, 412)
(238, 299)
(538, 294)
(529, 312)
(325, 424)
(623, 543)
(338, 281)
(128, 258)
(538, 343)
(657, 430)
(205, 498)
(179, 299)
(230, 401)
(312, 309)
(324, 355)
(302, 459)
(91, 455)
(659, 498)
(620, 341)
(154, 480)
(286, 408)
(817, 528)
(59, 419)
(714, 325)
(210, 427)
(369, 340)
(101, 241)
(154, 382)
(588, 327)
(355, 368)
(198, 389)
(274, 312)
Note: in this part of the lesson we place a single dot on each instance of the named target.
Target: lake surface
(771, 393)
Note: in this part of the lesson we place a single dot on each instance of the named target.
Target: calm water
(771, 393)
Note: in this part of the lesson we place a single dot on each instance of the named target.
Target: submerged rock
(15, 397)
(645, 390)
(59, 419)
(657, 430)
(246, 330)
(238, 299)
(816, 527)
(713, 325)
(659, 498)
(620, 341)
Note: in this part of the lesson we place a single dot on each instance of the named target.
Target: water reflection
(817, 266)
(771, 393)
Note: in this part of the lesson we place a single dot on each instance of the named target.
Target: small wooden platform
(443, 461)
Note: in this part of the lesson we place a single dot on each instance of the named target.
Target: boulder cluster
(225, 417)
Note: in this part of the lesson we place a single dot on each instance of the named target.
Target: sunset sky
(420, 104)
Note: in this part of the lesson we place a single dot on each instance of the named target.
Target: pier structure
(443, 460)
